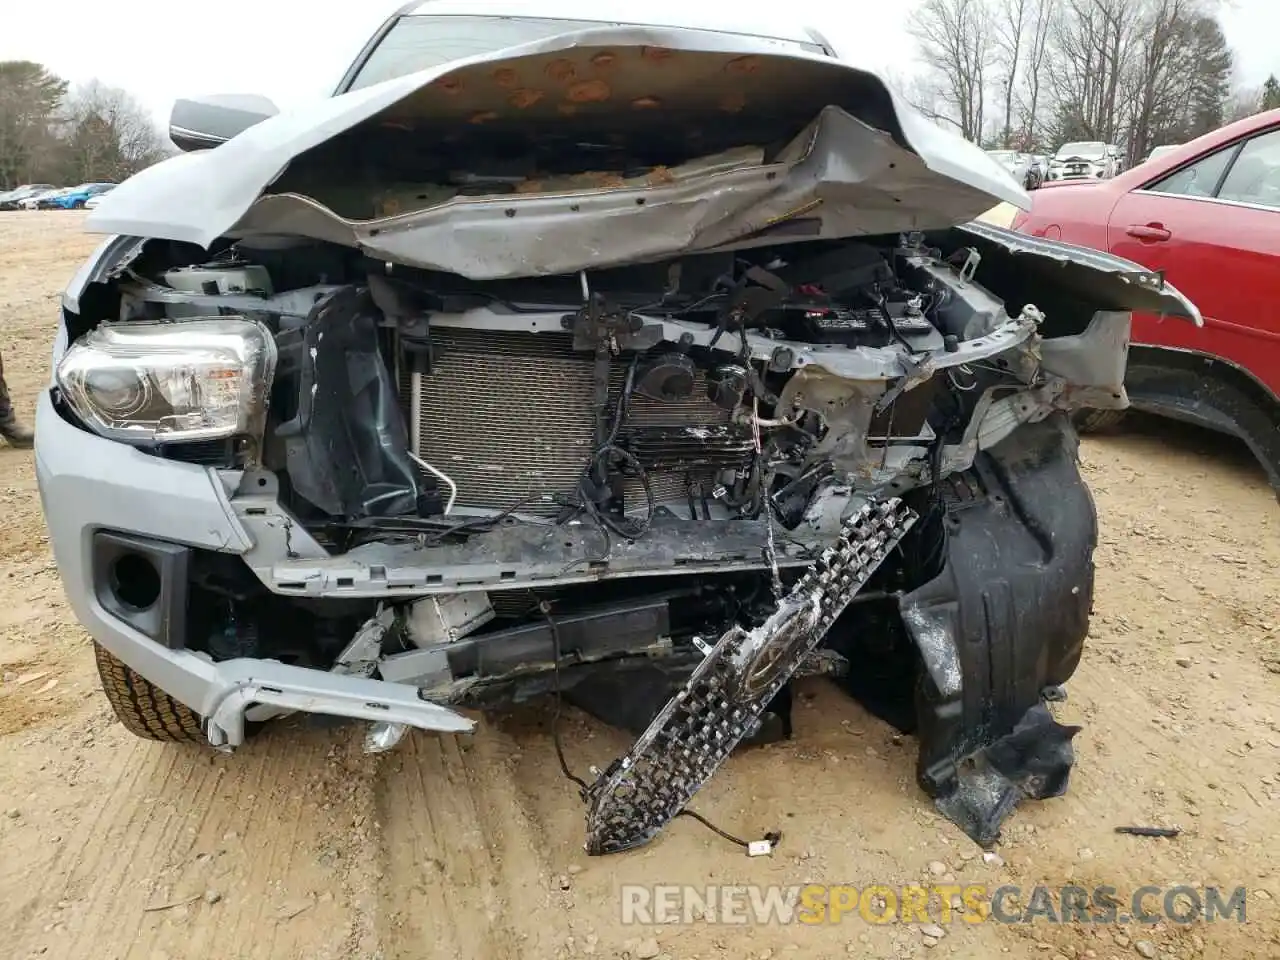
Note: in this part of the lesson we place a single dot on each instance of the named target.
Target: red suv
(1207, 215)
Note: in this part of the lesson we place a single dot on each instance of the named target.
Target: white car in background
(33, 202)
(1085, 160)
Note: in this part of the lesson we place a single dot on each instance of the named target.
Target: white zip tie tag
(759, 848)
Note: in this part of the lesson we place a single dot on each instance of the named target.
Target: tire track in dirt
(463, 876)
(93, 865)
(56, 870)
(1130, 774)
(224, 846)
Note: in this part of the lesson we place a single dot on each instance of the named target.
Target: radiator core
(509, 417)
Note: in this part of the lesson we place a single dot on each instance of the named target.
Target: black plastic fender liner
(1006, 619)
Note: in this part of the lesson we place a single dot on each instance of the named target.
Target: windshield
(1091, 150)
(1002, 154)
(417, 42)
(1161, 151)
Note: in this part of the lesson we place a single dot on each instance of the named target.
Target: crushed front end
(657, 472)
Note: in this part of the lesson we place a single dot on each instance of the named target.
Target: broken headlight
(199, 379)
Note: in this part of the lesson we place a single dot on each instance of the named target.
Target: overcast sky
(292, 50)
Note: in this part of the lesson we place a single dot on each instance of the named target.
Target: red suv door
(1213, 226)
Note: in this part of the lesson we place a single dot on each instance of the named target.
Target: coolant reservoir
(220, 278)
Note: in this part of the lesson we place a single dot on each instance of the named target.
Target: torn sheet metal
(1109, 282)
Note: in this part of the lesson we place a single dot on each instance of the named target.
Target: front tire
(145, 710)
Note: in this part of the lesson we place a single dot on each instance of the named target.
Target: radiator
(509, 417)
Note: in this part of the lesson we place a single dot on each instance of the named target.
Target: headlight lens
(197, 379)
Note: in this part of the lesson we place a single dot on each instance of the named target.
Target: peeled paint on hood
(862, 163)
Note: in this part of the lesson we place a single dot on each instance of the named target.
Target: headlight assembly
(197, 379)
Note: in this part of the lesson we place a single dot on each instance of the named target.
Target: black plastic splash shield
(1003, 624)
(345, 442)
(722, 701)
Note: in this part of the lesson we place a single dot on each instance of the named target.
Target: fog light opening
(135, 581)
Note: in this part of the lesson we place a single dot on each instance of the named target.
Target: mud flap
(728, 691)
(1002, 626)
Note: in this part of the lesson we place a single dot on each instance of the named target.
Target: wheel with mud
(145, 710)
(1095, 421)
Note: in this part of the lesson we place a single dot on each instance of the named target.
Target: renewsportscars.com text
(970, 903)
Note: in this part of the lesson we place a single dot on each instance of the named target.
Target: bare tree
(1009, 23)
(107, 134)
(1243, 102)
(954, 38)
(1041, 18)
(1091, 41)
(1137, 72)
(927, 96)
(1160, 77)
(1178, 81)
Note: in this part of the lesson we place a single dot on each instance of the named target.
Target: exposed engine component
(221, 278)
(510, 417)
(668, 377)
(719, 445)
(727, 385)
(856, 326)
(447, 618)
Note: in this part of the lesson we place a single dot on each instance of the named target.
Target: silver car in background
(1021, 166)
(1085, 160)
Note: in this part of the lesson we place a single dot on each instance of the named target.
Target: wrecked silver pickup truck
(647, 366)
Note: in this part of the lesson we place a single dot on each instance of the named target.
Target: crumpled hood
(860, 161)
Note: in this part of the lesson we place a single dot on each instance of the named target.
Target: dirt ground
(299, 846)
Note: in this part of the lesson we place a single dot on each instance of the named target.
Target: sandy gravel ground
(301, 847)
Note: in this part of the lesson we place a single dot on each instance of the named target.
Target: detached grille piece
(723, 699)
(509, 417)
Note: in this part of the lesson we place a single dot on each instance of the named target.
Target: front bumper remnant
(276, 685)
(723, 699)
